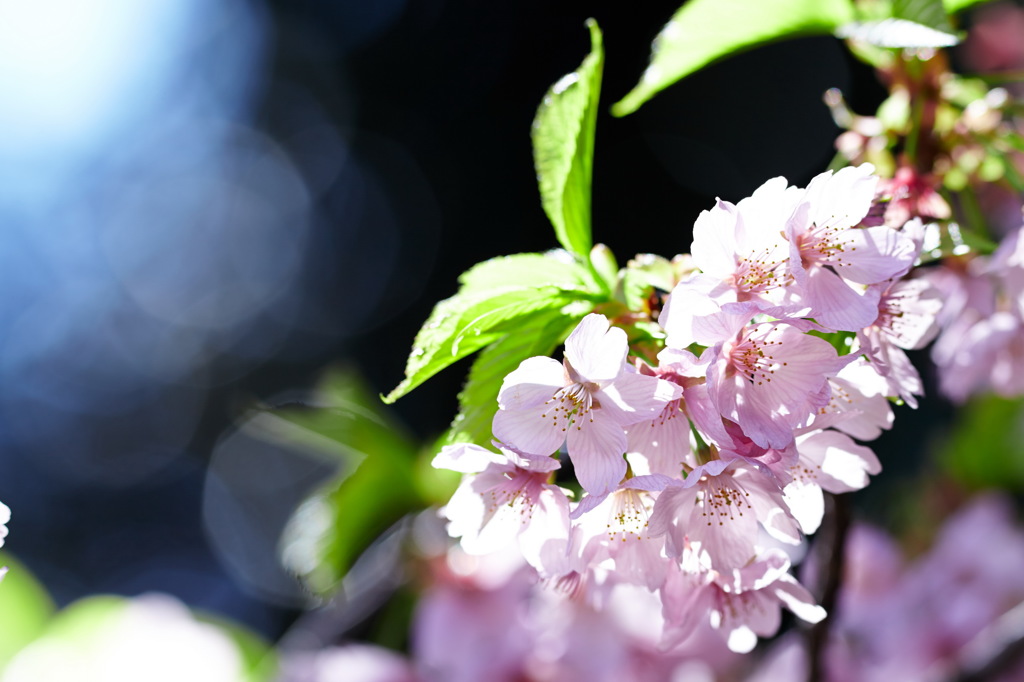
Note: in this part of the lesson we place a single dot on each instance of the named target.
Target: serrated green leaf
(702, 31)
(493, 297)
(432, 348)
(506, 312)
(478, 400)
(525, 270)
(563, 148)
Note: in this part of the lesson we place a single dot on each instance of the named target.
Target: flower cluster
(779, 349)
(981, 346)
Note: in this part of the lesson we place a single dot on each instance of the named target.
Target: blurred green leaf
(87, 632)
(259, 659)
(895, 32)
(494, 298)
(955, 6)
(374, 488)
(478, 400)
(702, 31)
(26, 608)
(930, 13)
(602, 260)
(345, 421)
(986, 446)
(563, 148)
(85, 622)
(898, 24)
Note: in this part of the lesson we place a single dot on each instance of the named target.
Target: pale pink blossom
(741, 604)
(858, 405)
(741, 249)
(662, 445)
(585, 401)
(770, 378)
(502, 498)
(907, 311)
(617, 528)
(830, 256)
(718, 511)
(829, 461)
(466, 630)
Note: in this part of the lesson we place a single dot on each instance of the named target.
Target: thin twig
(830, 547)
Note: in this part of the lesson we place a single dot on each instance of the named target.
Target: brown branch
(830, 549)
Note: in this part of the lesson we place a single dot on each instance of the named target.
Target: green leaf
(478, 400)
(555, 268)
(26, 608)
(332, 528)
(494, 298)
(563, 148)
(702, 31)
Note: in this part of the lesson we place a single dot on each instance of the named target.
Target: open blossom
(740, 604)
(907, 311)
(981, 344)
(830, 256)
(502, 498)
(770, 378)
(741, 250)
(584, 401)
(829, 461)
(617, 527)
(662, 445)
(859, 405)
(718, 509)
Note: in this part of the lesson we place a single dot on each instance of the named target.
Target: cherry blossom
(584, 401)
(719, 508)
(906, 320)
(501, 498)
(830, 256)
(770, 378)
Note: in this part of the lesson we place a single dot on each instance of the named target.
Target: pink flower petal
(596, 449)
(595, 350)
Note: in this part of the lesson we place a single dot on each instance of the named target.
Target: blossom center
(823, 244)
(754, 360)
